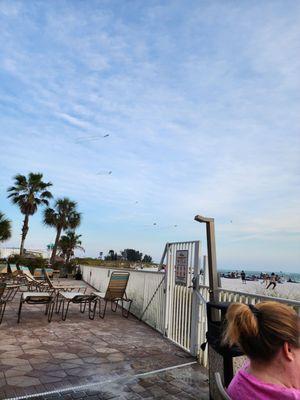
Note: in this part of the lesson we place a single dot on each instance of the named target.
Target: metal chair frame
(66, 288)
(50, 302)
(11, 291)
(81, 299)
(114, 305)
(114, 295)
(2, 301)
(2, 309)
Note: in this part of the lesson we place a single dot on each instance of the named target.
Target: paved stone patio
(107, 356)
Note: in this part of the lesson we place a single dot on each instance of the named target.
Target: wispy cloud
(202, 108)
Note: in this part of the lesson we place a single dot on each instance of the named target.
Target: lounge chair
(38, 273)
(16, 275)
(26, 271)
(3, 269)
(34, 285)
(10, 291)
(115, 292)
(65, 288)
(4, 274)
(65, 298)
(11, 282)
(45, 298)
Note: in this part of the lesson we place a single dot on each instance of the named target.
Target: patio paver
(38, 357)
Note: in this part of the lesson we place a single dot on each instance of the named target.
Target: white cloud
(200, 103)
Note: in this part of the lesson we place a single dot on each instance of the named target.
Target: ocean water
(293, 275)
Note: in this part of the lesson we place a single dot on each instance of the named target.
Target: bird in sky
(104, 173)
(91, 138)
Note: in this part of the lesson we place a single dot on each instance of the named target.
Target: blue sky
(201, 103)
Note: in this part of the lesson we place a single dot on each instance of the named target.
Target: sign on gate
(181, 267)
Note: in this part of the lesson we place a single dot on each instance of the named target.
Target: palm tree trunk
(68, 257)
(53, 255)
(25, 229)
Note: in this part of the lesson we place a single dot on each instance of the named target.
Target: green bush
(31, 262)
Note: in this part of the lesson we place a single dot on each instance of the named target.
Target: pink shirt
(245, 386)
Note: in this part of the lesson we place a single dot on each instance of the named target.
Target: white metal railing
(149, 301)
(178, 306)
(202, 325)
(180, 320)
(249, 298)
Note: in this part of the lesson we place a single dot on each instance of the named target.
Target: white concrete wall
(141, 287)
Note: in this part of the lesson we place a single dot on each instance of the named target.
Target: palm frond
(5, 228)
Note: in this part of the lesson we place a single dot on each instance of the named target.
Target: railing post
(167, 289)
(211, 255)
(195, 345)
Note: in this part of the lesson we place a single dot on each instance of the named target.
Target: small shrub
(31, 262)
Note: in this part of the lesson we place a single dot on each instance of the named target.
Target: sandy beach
(285, 290)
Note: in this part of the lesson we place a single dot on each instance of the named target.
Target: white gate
(182, 265)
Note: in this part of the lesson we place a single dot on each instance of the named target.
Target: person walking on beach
(243, 276)
(267, 279)
(272, 281)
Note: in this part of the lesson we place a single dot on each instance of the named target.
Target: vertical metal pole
(195, 345)
(167, 290)
(211, 255)
(212, 260)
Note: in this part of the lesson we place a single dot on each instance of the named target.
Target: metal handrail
(258, 296)
(261, 296)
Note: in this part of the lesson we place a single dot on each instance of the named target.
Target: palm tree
(68, 243)
(5, 228)
(62, 217)
(29, 193)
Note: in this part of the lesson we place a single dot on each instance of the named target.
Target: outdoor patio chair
(26, 271)
(115, 292)
(220, 387)
(16, 275)
(10, 292)
(38, 273)
(64, 288)
(36, 298)
(66, 298)
(34, 285)
(2, 301)
(12, 284)
(3, 269)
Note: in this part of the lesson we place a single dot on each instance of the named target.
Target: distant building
(5, 252)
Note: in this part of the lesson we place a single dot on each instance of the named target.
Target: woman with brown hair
(268, 333)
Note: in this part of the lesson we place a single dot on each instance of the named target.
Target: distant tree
(63, 216)
(111, 256)
(132, 255)
(29, 193)
(5, 228)
(147, 259)
(68, 243)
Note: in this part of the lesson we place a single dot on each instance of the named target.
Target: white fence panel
(179, 295)
(141, 287)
